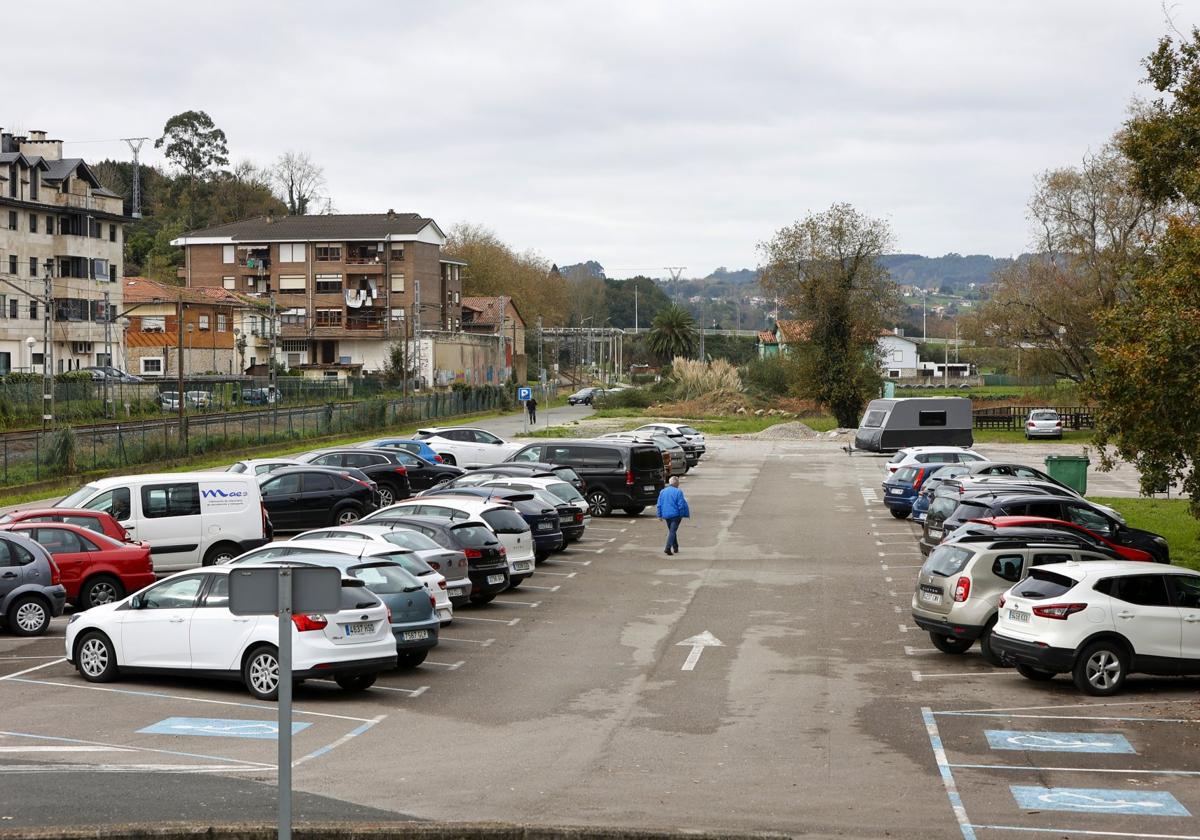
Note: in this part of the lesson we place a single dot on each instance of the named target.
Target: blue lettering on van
(223, 494)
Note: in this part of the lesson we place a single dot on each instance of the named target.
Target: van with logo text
(189, 518)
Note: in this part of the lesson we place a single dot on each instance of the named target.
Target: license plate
(523, 566)
(1017, 615)
(896, 491)
(936, 533)
(931, 597)
(414, 635)
(495, 578)
(361, 628)
(649, 488)
(456, 593)
(545, 526)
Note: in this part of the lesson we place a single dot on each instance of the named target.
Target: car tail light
(370, 485)
(1059, 611)
(400, 469)
(920, 477)
(442, 583)
(389, 609)
(304, 623)
(578, 516)
(55, 574)
(1001, 604)
(962, 589)
(629, 477)
(473, 553)
(1058, 425)
(503, 551)
(438, 459)
(1030, 424)
(266, 522)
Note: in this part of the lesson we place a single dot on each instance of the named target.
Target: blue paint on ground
(263, 730)
(1098, 801)
(1072, 742)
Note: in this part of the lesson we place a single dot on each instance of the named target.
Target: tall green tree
(826, 269)
(194, 144)
(672, 333)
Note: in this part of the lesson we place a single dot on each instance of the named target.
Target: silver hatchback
(1043, 422)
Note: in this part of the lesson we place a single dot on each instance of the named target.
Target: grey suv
(960, 585)
(31, 591)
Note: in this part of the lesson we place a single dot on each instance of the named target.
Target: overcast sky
(640, 134)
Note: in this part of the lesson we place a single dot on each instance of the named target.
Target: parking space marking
(1098, 801)
(1075, 742)
(1076, 706)
(919, 677)
(913, 651)
(572, 562)
(541, 588)
(1068, 717)
(411, 692)
(330, 747)
(484, 643)
(40, 769)
(557, 574)
(509, 621)
(252, 764)
(589, 550)
(450, 666)
(1082, 833)
(15, 658)
(263, 730)
(1121, 770)
(64, 748)
(939, 754)
(518, 603)
(14, 676)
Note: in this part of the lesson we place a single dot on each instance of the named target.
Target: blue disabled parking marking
(266, 730)
(1098, 801)
(1072, 742)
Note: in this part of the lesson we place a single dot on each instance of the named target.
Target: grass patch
(1167, 517)
(1082, 436)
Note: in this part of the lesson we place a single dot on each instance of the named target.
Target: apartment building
(344, 287)
(56, 221)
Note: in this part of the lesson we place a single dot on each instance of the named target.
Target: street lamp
(29, 342)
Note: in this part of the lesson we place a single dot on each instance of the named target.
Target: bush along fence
(36, 455)
(1013, 416)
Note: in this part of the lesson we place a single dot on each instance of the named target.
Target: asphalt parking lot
(822, 711)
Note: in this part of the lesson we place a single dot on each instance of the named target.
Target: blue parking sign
(524, 394)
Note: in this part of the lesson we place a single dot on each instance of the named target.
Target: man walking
(531, 407)
(672, 509)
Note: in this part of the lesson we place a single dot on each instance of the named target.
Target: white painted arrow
(698, 643)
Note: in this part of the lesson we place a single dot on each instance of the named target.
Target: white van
(189, 519)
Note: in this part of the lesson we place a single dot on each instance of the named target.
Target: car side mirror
(136, 602)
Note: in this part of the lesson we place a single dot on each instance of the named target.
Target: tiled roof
(795, 332)
(487, 309)
(145, 290)
(766, 337)
(318, 228)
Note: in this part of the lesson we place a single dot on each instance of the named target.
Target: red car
(1125, 551)
(95, 569)
(94, 520)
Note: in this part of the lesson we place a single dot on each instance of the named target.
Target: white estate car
(932, 455)
(1101, 621)
(508, 525)
(467, 447)
(182, 625)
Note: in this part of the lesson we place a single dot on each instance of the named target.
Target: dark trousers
(672, 527)
(533, 415)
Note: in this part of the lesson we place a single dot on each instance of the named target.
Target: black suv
(386, 467)
(951, 491)
(621, 474)
(487, 561)
(299, 498)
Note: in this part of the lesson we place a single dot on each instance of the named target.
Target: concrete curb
(372, 831)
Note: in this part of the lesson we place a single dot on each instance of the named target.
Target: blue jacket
(671, 503)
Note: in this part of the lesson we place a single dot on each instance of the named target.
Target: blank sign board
(255, 591)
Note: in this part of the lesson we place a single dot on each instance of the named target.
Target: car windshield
(687, 430)
(412, 565)
(564, 491)
(566, 474)
(970, 510)
(898, 457)
(947, 560)
(907, 474)
(78, 497)
(504, 521)
(943, 506)
(1043, 584)
(473, 536)
(1044, 415)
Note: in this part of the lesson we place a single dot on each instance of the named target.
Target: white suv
(1101, 621)
(467, 447)
(933, 455)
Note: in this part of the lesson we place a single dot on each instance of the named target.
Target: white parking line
(509, 622)
(31, 670)
(72, 748)
(914, 651)
(919, 677)
(589, 550)
(484, 643)
(450, 666)
(557, 574)
(39, 769)
(573, 562)
(525, 586)
(519, 603)
(15, 658)
(411, 692)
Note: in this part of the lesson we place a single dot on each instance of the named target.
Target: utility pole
(179, 373)
(703, 310)
(417, 328)
(48, 348)
(107, 350)
(272, 384)
(635, 307)
(541, 370)
(135, 145)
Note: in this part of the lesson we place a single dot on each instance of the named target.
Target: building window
(222, 322)
(100, 270)
(398, 282)
(329, 284)
(50, 225)
(329, 317)
(37, 359)
(292, 345)
(32, 264)
(33, 222)
(291, 252)
(112, 233)
(33, 310)
(228, 282)
(228, 254)
(33, 184)
(328, 251)
(12, 219)
(457, 299)
(398, 314)
(292, 283)
(897, 355)
(154, 323)
(12, 263)
(203, 319)
(397, 253)
(93, 228)
(152, 365)
(13, 304)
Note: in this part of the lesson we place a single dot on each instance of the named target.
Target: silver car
(1043, 422)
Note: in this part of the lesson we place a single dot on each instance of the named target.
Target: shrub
(695, 378)
(72, 376)
(627, 398)
(60, 454)
(768, 377)
(23, 376)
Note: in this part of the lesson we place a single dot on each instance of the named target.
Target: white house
(899, 356)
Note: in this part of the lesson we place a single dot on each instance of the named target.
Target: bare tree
(300, 182)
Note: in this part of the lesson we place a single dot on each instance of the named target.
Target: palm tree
(673, 333)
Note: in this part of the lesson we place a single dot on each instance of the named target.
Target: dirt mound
(792, 430)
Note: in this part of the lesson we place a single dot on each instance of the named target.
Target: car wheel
(411, 660)
(598, 503)
(635, 510)
(480, 600)
(260, 672)
(355, 682)
(1036, 674)
(29, 615)
(95, 658)
(985, 646)
(387, 495)
(899, 513)
(950, 644)
(100, 590)
(220, 553)
(448, 459)
(1101, 669)
(346, 516)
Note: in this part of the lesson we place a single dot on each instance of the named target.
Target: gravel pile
(793, 430)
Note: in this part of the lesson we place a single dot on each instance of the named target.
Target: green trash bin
(1071, 470)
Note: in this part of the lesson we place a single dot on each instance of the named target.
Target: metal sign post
(525, 394)
(284, 729)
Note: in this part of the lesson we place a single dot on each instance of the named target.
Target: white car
(549, 490)
(688, 433)
(448, 568)
(183, 625)
(1099, 622)
(1043, 422)
(932, 455)
(467, 447)
(261, 466)
(508, 525)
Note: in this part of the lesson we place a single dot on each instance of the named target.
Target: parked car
(101, 372)
(584, 396)
(261, 466)
(686, 435)
(543, 516)
(960, 584)
(675, 460)
(1043, 422)
(533, 468)
(298, 498)
(386, 467)
(417, 447)
(182, 625)
(487, 559)
(467, 447)
(572, 507)
(618, 474)
(932, 455)
(31, 587)
(260, 396)
(1003, 468)
(1100, 622)
(933, 480)
(93, 568)
(169, 400)
(508, 525)
(94, 520)
(1003, 525)
(188, 518)
(900, 489)
(975, 483)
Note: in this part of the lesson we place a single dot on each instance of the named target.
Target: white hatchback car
(467, 447)
(182, 625)
(932, 455)
(508, 525)
(1101, 621)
